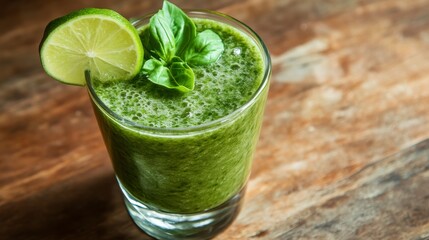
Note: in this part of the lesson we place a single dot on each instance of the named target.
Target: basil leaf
(206, 48)
(161, 38)
(171, 45)
(157, 73)
(183, 74)
(179, 76)
(183, 28)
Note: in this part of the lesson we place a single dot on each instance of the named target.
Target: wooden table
(342, 153)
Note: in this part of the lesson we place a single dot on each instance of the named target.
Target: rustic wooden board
(350, 87)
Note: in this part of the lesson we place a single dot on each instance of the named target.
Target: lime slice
(98, 40)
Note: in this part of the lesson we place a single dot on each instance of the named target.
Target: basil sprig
(174, 45)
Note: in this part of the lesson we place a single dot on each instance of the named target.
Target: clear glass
(206, 196)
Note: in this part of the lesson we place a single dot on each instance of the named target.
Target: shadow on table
(90, 209)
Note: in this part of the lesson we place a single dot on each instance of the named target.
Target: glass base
(163, 225)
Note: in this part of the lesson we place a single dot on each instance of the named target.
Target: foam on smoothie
(220, 88)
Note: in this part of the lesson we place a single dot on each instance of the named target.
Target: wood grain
(342, 153)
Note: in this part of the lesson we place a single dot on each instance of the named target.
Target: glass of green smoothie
(182, 160)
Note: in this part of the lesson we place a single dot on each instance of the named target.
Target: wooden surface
(342, 153)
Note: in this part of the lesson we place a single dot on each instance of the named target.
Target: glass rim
(208, 125)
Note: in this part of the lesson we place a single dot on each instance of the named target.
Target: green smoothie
(187, 152)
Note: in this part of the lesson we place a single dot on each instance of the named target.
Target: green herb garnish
(205, 48)
(173, 46)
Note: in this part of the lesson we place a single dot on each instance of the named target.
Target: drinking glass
(210, 187)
